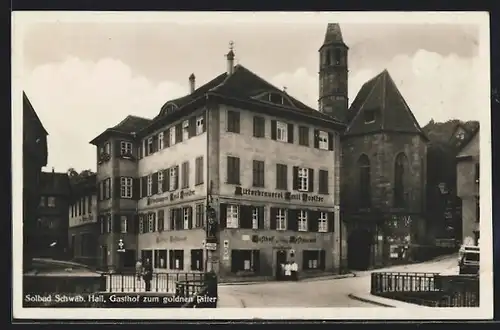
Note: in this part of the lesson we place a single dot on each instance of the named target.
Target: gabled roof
(392, 112)
(30, 113)
(53, 183)
(333, 35)
(131, 124)
(472, 129)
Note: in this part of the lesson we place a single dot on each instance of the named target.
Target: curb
(310, 279)
(354, 297)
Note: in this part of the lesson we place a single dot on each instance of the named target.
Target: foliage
(76, 178)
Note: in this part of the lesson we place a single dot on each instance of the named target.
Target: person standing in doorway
(288, 271)
(138, 269)
(294, 269)
(147, 274)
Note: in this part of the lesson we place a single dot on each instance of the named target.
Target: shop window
(176, 259)
(197, 259)
(245, 261)
(313, 259)
(160, 259)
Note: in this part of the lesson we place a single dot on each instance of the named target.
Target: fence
(429, 289)
(161, 282)
(199, 293)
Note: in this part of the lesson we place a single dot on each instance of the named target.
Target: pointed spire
(333, 34)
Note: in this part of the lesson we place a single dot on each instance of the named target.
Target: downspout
(207, 185)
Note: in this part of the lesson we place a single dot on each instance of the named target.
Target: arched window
(338, 55)
(401, 171)
(364, 181)
(328, 57)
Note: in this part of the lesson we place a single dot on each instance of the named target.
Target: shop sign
(170, 239)
(283, 239)
(179, 195)
(284, 195)
(211, 246)
(121, 246)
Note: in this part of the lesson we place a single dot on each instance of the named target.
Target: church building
(383, 161)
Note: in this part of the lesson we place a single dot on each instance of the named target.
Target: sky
(83, 77)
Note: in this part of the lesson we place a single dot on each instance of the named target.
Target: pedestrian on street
(288, 271)
(138, 269)
(147, 274)
(294, 268)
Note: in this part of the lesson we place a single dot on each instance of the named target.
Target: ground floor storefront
(381, 240)
(83, 244)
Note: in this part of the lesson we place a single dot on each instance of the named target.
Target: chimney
(230, 59)
(192, 83)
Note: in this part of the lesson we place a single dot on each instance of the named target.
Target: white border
(481, 19)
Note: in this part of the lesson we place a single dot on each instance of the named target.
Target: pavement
(330, 291)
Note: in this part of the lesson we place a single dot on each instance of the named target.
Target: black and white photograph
(240, 165)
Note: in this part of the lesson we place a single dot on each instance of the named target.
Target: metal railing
(199, 293)
(160, 282)
(428, 289)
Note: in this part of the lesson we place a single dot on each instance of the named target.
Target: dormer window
(168, 108)
(369, 116)
(275, 98)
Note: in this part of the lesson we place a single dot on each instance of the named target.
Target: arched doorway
(358, 249)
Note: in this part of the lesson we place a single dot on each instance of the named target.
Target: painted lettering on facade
(171, 197)
(171, 239)
(285, 195)
(283, 239)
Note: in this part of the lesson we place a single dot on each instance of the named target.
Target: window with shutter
(290, 133)
(302, 220)
(311, 179)
(323, 182)
(304, 136)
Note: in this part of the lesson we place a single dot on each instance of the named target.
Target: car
(468, 260)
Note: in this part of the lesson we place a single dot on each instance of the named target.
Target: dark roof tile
(54, 183)
(132, 124)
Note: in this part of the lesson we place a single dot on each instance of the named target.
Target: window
(304, 136)
(313, 259)
(369, 116)
(126, 187)
(337, 56)
(107, 190)
(185, 217)
(281, 131)
(160, 220)
(141, 225)
(177, 259)
(197, 259)
(150, 146)
(176, 219)
(185, 130)
(245, 261)
(256, 215)
(160, 182)
(185, 175)
(258, 173)
(174, 178)
(233, 121)
(259, 126)
(364, 181)
(323, 182)
(232, 216)
(150, 185)
(281, 219)
(200, 215)
(172, 135)
(200, 128)
(323, 222)
(323, 140)
(303, 179)
(125, 148)
(151, 222)
(160, 140)
(79, 204)
(51, 202)
(476, 173)
(328, 57)
(107, 148)
(160, 259)
(109, 224)
(302, 220)
(42, 201)
(84, 209)
(198, 177)
(233, 170)
(400, 173)
(281, 177)
(123, 224)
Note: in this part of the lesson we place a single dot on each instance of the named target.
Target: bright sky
(83, 77)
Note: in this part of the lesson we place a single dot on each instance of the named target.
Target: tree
(75, 177)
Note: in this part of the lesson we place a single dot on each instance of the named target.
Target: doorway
(280, 259)
(358, 249)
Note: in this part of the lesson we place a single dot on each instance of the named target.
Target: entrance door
(280, 259)
(104, 256)
(358, 250)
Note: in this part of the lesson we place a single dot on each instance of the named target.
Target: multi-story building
(52, 224)
(267, 163)
(383, 163)
(468, 185)
(34, 158)
(83, 228)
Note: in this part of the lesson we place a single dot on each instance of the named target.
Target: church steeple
(333, 71)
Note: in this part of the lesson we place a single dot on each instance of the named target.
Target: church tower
(333, 97)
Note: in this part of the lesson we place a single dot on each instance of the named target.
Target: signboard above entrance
(284, 195)
(171, 197)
